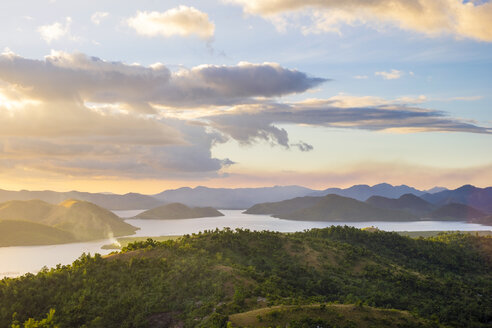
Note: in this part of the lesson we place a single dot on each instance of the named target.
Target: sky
(142, 96)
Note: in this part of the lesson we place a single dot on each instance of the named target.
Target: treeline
(201, 279)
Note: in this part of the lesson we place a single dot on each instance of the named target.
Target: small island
(176, 211)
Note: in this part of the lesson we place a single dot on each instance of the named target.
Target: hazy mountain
(283, 207)
(178, 211)
(363, 192)
(130, 201)
(225, 198)
(83, 220)
(407, 202)
(479, 198)
(485, 220)
(330, 208)
(456, 211)
(435, 190)
(25, 233)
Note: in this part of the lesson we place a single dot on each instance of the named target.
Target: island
(335, 208)
(175, 211)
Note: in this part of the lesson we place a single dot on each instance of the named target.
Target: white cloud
(470, 19)
(55, 31)
(180, 21)
(97, 17)
(361, 77)
(394, 74)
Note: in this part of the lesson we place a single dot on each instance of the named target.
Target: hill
(407, 202)
(363, 192)
(225, 198)
(283, 207)
(479, 198)
(329, 208)
(339, 275)
(455, 211)
(338, 208)
(24, 233)
(130, 201)
(82, 220)
(175, 211)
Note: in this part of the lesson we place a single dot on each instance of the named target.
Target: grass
(337, 315)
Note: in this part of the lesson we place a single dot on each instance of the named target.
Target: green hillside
(24, 233)
(78, 219)
(215, 279)
(175, 211)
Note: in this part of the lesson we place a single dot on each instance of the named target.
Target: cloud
(55, 31)
(180, 21)
(361, 77)
(394, 74)
(80, 116)
(63, 76)
(251, 123)
(98, 17)
(463, 19)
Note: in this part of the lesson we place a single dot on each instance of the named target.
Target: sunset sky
(142, 96)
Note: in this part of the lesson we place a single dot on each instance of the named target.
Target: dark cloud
(259, 122)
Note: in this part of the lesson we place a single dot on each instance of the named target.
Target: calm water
(15, 261)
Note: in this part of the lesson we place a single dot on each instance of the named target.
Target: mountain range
(363, 192)
(226, 198)
(241, 198)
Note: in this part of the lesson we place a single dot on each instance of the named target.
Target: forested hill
(205, 280)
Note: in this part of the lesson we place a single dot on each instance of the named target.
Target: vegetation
(124, 241)
(206, 279)
(175, 211)
(36, 222)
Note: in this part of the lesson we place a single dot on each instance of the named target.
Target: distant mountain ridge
(243, 198)
(479, 198)
(225, 198)
(130, 201)
(363, 192)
